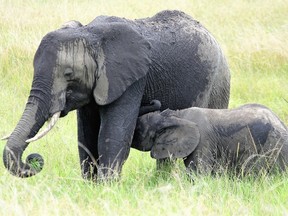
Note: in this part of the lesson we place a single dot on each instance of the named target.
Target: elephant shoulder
(106, 20)
(168, 15)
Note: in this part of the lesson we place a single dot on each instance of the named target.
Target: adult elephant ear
(123, 57)
(175, 138)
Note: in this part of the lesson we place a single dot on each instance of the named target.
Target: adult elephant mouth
(63, 113)
(51, 123)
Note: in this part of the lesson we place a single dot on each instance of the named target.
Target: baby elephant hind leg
(268, 160)
(282, 156)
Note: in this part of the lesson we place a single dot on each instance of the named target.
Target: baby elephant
(248, 138)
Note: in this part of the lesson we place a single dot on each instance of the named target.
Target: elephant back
(186, 61)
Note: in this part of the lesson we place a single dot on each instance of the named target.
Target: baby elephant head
(166, 135)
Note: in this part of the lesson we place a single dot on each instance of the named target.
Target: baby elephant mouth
(51, 123)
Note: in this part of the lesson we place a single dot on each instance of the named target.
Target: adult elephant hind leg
(219, 98)
(220, 91)
(88, 120)
(282, 155)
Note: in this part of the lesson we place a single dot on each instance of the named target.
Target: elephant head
(166, 135)
(72, 66)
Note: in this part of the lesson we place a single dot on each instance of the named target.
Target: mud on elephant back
(106, 70)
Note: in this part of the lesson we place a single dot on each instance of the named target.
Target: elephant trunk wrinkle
(32, 119)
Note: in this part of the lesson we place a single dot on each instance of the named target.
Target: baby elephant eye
(68, 72)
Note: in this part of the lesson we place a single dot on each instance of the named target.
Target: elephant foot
(108, 175)
(89, 170)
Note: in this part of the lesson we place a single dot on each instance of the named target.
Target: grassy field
(253, 35)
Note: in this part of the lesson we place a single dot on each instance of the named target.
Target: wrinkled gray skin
(107, 70)
(251, 137)
(155, 105)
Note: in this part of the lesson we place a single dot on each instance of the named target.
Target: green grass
(253, 35)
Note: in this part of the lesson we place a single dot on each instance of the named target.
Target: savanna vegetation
(253, 35)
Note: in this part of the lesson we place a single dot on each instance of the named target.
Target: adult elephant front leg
(88, 120)
(118, 121)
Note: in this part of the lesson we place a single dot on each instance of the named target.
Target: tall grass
(253, 35)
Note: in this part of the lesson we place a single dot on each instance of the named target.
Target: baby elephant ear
(178, 138)
(123, 58)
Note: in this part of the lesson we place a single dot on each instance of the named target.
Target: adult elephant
(107, 70)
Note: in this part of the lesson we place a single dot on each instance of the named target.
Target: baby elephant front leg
(200, 161)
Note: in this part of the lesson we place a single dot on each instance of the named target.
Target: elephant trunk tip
(34, 164)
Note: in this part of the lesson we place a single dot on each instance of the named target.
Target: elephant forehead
(146, 121)
(73, 54)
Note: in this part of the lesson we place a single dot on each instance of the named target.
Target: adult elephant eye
(69, 92)
(68, 73)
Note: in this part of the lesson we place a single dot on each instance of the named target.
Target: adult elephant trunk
(33, 118)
